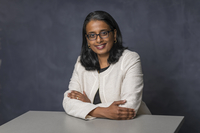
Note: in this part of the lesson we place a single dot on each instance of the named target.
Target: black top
(97, 99)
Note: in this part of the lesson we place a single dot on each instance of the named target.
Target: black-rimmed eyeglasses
(102, 34)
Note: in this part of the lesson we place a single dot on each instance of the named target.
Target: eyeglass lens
(102, 34)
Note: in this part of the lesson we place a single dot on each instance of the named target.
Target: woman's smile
(101, 46)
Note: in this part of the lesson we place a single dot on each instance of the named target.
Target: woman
(107, 80)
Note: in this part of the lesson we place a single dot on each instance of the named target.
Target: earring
(88, 46)
(115, 41)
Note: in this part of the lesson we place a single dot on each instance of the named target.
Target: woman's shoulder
(128, 54)
(78, 65)
(128, 58)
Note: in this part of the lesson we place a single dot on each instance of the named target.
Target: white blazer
(121, 81)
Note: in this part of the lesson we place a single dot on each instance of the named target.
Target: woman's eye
(104, 33)
(91, 35)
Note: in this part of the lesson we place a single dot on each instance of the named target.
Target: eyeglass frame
(99, 35)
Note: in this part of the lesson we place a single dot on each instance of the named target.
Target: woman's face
(100, 46)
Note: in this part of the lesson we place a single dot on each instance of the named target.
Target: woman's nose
(99, 39)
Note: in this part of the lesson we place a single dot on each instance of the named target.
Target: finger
(84, 93)
(126, 109)
(126, 113)
(126, 116)
(75, 96)
(119, 102)
(69, 95)
(76, 92)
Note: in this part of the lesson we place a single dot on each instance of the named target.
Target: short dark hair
(89, 58)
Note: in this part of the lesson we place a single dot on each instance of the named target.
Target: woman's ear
(115, 34)
(88, 44)
(87, 40)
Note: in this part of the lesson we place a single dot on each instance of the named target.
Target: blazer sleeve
(132, 85)
(104, 104)
(75, 107)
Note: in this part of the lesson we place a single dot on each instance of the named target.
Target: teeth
(100, 46)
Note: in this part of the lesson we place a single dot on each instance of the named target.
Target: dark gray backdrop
(41, 39)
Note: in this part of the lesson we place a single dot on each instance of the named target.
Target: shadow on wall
(163, 97)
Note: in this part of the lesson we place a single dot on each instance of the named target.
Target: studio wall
(40, 41)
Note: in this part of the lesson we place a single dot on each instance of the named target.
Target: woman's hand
(119, 113)
(114, 112)
(79, 96)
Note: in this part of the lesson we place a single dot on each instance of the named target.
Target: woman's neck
(103, 61)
